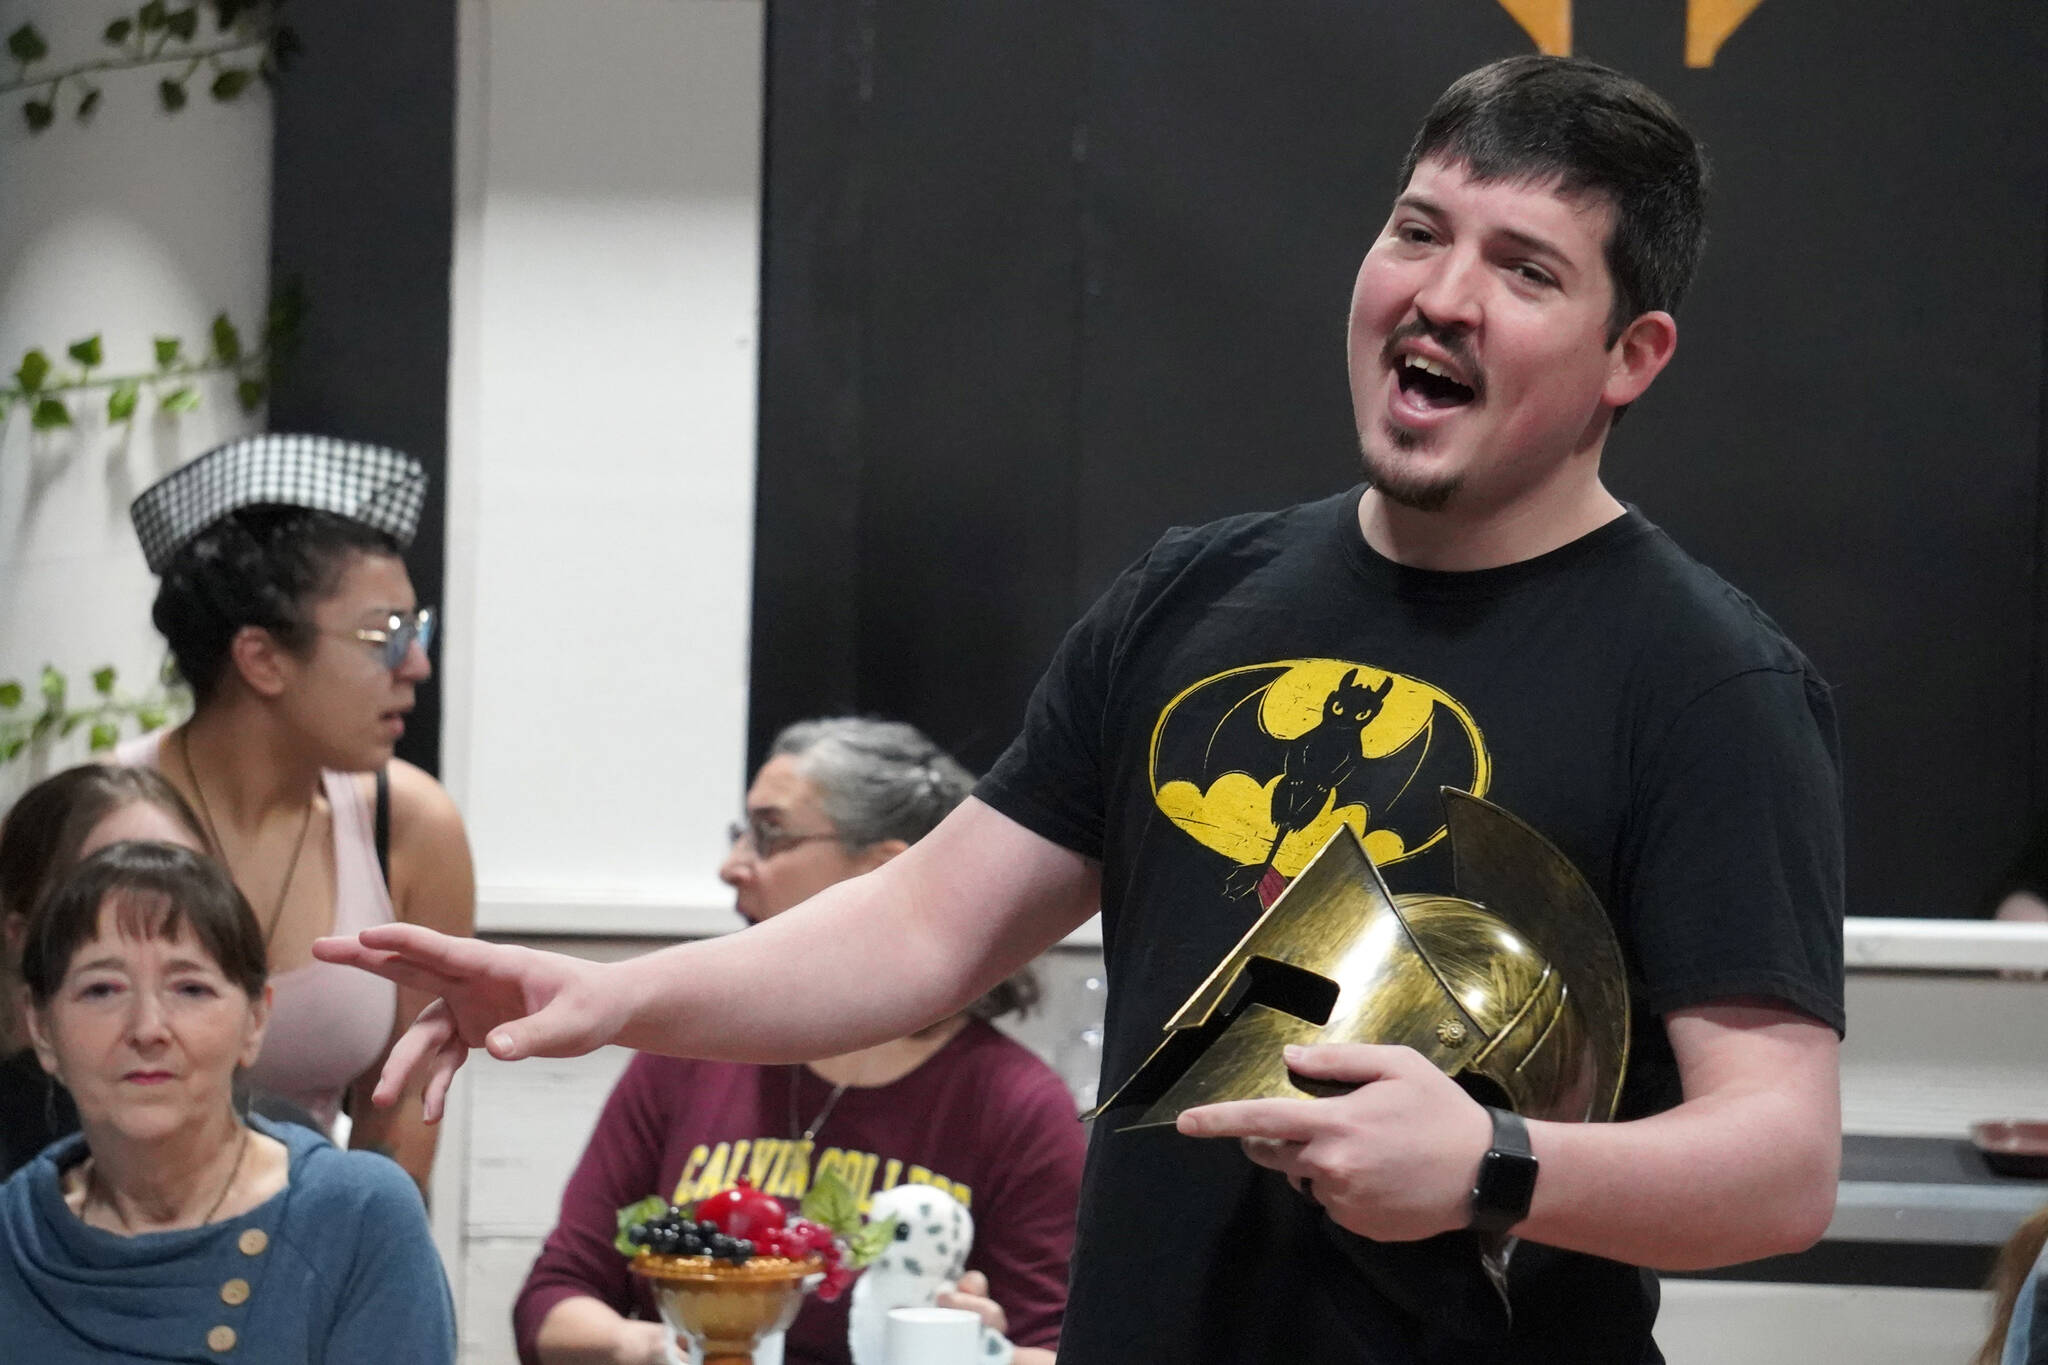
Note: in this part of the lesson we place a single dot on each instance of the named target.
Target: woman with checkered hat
(289, 612)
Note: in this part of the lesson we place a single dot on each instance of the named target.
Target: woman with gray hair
(957, 1105)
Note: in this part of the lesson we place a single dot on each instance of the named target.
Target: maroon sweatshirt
(982, 1117)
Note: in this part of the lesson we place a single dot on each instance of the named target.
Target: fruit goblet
(724, 1309)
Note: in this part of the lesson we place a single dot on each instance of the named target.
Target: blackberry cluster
(675, 1234)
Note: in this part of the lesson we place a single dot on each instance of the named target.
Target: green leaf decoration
(831, 1202)
(151, 16)
(121, 402)
(118, 31)
(249, 393)
(86, 352)
(167, 349)
(11, 748)
(50, 415)
(227, 342)
(869, 1241)
(105, 735)
(35, 368)
(185, 398)
(39, 113)
(151, 716)
(26, 45)
(10, 694)
(182, 24)
(230, 83)
(71, 722)
(653, 1206)
(89, 103)
(103, 680)
(51, 685)
(171, 94)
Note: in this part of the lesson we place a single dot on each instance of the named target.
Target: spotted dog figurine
(933, 1234)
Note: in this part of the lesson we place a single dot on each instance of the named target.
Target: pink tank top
(328, 1024)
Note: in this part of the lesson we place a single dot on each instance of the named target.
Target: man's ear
(260, 660)
(1638, 356)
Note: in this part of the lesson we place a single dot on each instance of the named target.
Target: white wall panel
(135, 225)
(602, 449)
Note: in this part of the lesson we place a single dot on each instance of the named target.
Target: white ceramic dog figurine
(933, 1234)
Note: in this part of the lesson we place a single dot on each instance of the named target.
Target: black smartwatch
(1507, 1175)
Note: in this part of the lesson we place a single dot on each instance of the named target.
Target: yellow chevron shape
(1708, 24)
(1548, 22)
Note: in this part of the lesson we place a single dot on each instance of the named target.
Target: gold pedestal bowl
(724, 1309)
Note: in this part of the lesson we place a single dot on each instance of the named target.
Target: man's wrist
(1506, 1180)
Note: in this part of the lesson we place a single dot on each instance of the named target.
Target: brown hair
(45, 828)
(2015, 1263)
(153, 890)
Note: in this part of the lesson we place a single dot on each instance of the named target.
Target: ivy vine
(248, 44)
(49, 392)
(105, 711)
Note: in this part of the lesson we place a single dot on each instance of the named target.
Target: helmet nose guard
(1517, 981)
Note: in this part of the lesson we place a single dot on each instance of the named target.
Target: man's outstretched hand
(517, 1002)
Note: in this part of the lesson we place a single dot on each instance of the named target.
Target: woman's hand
(518, 1002)
(644, 1343)
(972, 1294)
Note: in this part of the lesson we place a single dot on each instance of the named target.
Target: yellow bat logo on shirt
(1263, 763)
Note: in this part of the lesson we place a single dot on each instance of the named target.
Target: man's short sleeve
(1052, 778)
(1734, 857)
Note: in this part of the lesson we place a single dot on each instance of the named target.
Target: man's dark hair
(1597, 133)
(260, 566)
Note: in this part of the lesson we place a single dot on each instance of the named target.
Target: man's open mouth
(1430, 383)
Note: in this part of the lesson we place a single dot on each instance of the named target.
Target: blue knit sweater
(336, 1269)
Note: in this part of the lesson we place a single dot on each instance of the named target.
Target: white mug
(931, 1336)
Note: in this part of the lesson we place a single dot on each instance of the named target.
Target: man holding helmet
(1484, 616)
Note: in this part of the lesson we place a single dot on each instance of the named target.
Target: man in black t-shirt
(1483, 614)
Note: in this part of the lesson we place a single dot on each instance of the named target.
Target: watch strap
(1506, 1182)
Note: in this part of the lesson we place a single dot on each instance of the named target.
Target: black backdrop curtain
(1043, 277)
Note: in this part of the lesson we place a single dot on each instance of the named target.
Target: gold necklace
(220, 850)
(92, 1174)
(796, 1072)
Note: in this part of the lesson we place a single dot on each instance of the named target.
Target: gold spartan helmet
(1515, 985)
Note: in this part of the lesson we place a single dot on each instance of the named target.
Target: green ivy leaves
(104, 713)
(34, 369)
(249, 44)
(49, 397)
(26, 45)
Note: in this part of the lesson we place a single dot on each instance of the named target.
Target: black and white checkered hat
(375, 485)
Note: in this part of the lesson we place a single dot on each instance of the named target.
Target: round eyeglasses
(768, 840)
(397, 636)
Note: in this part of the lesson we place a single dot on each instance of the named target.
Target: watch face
(1507, 1182)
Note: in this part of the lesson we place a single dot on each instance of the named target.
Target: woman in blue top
(171, 1229)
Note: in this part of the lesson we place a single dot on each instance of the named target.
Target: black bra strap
(384, 825)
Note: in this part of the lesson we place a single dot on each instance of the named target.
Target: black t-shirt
(1615, 694)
